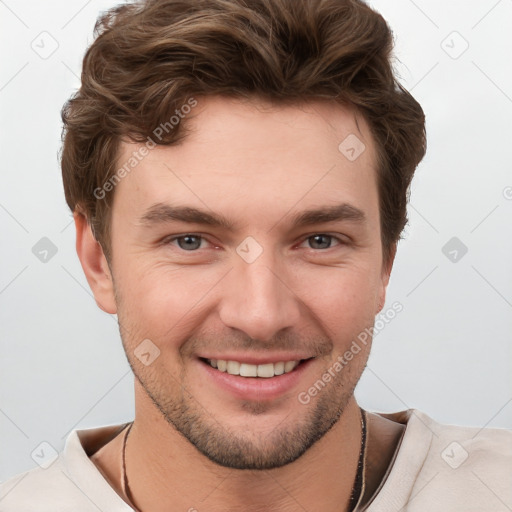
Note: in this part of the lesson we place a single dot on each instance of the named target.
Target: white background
(447, 353)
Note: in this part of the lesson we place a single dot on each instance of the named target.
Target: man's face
(265, 289)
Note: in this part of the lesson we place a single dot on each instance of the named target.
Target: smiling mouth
(265, 371)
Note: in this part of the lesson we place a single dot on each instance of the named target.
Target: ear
(386, 273)
(95, 265)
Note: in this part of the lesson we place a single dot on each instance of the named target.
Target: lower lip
(256, 388)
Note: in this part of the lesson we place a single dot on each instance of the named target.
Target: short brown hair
(149, 58)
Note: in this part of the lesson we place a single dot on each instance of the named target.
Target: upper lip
(258, 359)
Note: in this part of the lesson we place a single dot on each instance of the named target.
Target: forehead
(256, 157)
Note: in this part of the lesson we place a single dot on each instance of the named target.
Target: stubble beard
(211, 435)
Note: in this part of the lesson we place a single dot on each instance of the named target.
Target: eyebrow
(162, 213)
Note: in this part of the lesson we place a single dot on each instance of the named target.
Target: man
(238, 173)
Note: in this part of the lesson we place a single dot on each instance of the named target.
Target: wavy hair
(150, 57)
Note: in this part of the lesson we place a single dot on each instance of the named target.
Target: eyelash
(340, 241)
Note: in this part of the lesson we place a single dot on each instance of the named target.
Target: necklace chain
(357, 489)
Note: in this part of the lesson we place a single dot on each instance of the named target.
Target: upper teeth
(253, 370)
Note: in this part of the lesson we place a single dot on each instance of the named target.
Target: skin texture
(194, 444)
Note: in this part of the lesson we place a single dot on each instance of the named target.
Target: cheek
(345, 300)
(160, 302)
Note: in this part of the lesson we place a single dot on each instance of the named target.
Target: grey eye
(320, 241)
(189, 242)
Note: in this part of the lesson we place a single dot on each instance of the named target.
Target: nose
(258, 299)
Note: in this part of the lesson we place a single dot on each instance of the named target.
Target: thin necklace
(126, 487)
(357, 489)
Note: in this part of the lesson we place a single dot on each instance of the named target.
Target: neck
(165, 472)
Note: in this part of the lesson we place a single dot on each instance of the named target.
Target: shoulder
(69, 483)
(468, 448)
(50, 488)
(465, 468)
(446, 467)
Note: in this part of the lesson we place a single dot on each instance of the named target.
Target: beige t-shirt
(436, 468)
